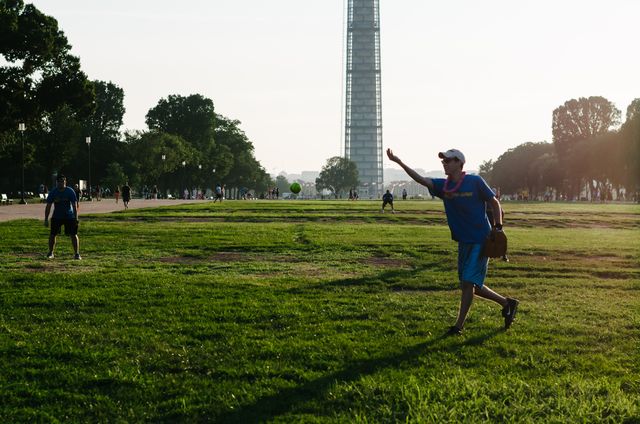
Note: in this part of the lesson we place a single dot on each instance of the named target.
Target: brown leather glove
(495, 246)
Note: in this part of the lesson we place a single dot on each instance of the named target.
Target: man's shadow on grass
(394, 279)
(269, 407)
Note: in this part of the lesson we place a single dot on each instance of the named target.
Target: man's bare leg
(52, 242)
(486, 293)
(465, 304)
(76, 244)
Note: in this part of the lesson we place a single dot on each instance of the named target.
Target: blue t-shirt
(62, 200)
(466, 208)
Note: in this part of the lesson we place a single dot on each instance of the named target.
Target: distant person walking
(218, 192)
(387, 199)
(76, 189)
(116, 193)
(464, 199)
(404, 194)
(154, 192)
(65, 212)
(126, 195)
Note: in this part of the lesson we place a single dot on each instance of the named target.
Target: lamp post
(184, 176)
(162, 176)
(199, 179)
(88, 141)
(22, 127)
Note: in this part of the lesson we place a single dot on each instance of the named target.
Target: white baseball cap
(452, 153)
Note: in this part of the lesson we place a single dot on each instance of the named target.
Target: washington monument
(363, 106)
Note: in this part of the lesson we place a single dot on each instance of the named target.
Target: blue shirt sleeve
(484, 191)
(438, 187)
(72, 195)
(51, 195)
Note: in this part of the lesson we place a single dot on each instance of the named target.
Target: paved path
(36, 210)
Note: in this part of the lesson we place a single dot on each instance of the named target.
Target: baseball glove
(495, 246)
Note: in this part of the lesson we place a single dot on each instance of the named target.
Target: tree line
(592, 155)
(42, 85)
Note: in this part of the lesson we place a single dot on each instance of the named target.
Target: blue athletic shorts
(472, 265)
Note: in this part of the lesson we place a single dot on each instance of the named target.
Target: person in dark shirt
(126, 194)
(387, 199)
(65, 213)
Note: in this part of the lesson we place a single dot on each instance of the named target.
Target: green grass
(318, 312)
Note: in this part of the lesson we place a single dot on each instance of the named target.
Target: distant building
(363, 106)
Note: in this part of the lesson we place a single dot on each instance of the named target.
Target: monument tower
(363, 105)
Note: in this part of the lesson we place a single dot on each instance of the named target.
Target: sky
(482, 77)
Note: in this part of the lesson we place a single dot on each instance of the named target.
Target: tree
(191, 117)
(236, 163)
(114, 176)
(630, 146)
(485, 170)
(103, 126)
(146, 166)
(40, 82)
(105, 122)
(338, 176)
(576, 121)
(582, 119)
(40, 74)
(282, 183)
(512, 170)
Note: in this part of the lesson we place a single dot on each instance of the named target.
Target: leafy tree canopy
(40, 75)
(104, 124)
(511, 171)
(582, 119)
(191, 118)
(338, 175)
(282, 183)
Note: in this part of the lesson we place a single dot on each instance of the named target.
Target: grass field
(319, 312)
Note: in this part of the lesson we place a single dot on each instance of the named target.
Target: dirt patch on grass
(385, 262)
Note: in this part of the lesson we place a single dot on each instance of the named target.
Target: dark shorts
(70, 226)
(385, 203)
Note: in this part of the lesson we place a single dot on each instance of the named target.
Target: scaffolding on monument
(363, 87)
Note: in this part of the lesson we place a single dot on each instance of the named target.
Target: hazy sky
(482, 77)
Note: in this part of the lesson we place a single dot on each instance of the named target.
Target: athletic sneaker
(50, 255)
(454, 331)
(509, 312)
(77, 256)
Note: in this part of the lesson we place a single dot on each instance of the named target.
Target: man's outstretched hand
(391, 156)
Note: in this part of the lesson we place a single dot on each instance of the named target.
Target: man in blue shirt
(65, 213)
(465, 199)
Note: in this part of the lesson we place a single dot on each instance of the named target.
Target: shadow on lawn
(270, 407)
(395, 279)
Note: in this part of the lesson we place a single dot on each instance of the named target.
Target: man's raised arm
(425, 181)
